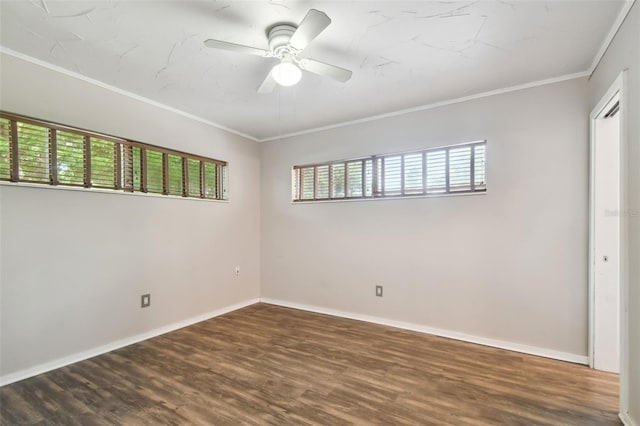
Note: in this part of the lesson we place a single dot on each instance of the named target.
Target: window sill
(105, 191)
(389, 198)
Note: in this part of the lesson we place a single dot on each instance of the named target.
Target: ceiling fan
(286, 42)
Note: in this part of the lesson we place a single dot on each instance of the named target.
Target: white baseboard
(81, 356)
(625, 419)
(516, 347)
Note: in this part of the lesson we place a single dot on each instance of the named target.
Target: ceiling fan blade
(239, 48)
(317, 67)
(310, 27)
(267, 85)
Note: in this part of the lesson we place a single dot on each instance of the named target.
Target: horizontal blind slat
(368, 177)
(103, 159)
(323, 182)
(460, 169)
(413, 173)
(193, 170)
(338, 171)
(354, 185)
(307, 183)
(175, 175)
(70, 158)
(154, 171)
(33, 153)
(210, 181)
(392, 175)
(436, 171)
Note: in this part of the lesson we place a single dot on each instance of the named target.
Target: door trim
(618, 87)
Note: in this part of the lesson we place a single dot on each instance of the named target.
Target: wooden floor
(271, 365)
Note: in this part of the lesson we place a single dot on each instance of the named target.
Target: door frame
(618, 87)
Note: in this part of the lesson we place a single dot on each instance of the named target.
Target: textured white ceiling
(403, 54)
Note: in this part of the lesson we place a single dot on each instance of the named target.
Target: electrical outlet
(379, 290)
(145, 300)
(237, 271)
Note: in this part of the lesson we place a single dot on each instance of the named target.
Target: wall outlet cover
(145, 300)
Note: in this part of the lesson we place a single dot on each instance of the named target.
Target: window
(176, 178)
(194, 173)
(103, 163)
(70, 157)
(155, 169)
(447, 170)
(211, 180)
(132, 168)
(5, 149)
(35, 151)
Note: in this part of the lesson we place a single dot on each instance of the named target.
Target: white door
(606, 239)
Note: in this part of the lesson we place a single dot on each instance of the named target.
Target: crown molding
(628, 4)
(626, 7)
(119, 91)
(433, 105)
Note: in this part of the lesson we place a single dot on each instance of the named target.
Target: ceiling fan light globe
(286, 74)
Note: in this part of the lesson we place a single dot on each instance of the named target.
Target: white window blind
(355, 178)
(392, 172)
(338, 180)
(413, 174)
(436, 172)
(478, 167)
(322, 186)
(446, 170)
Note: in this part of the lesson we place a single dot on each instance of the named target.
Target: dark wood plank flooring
(271, 365)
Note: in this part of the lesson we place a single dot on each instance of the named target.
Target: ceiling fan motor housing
(279, 37)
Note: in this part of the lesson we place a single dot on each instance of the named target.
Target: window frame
(379, 176)
(124, 166)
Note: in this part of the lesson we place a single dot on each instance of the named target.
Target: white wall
(74, 263)
(624, 53)
(509, 265)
